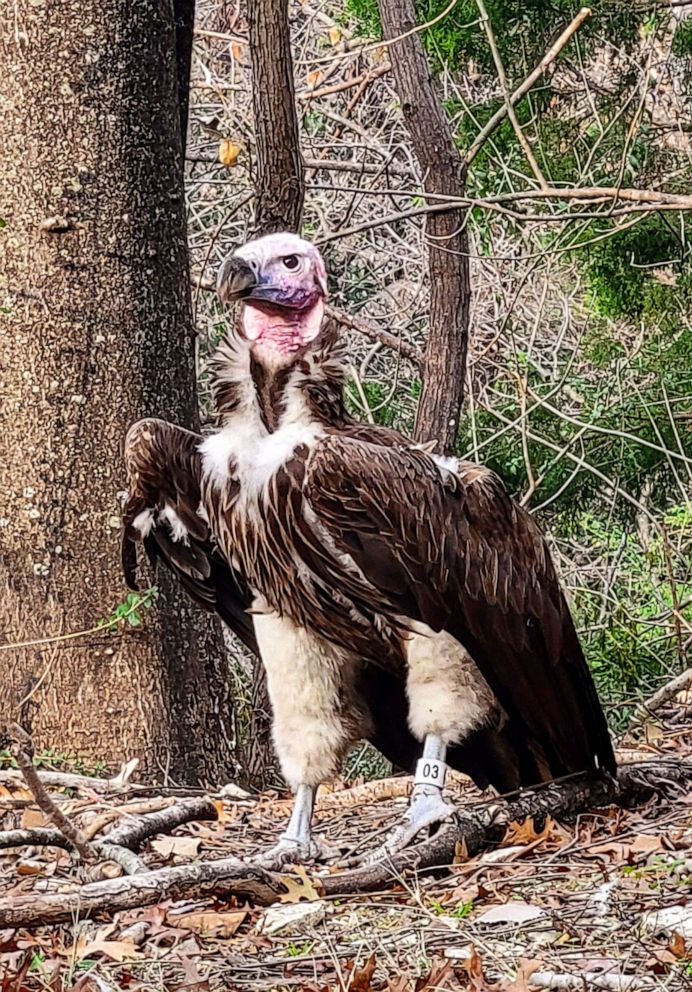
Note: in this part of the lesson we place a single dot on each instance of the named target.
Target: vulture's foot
(426, 808)
(293, 852)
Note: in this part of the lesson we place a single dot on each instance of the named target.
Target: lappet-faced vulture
(392, 594)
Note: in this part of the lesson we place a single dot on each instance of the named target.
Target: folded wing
(162, 511)
(451, 549)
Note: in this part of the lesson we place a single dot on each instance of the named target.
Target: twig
(23, 754)
(661, 697)
(376, 333)
(509, 106)
(549, 57)
(68, 780)
(345, 84)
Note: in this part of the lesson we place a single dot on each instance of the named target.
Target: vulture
(391, 593)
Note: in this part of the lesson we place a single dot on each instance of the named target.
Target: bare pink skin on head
(284, 307)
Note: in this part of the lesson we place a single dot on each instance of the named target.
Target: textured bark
(184, 14)
(448, 262)
(279, 194)
(97, 332)
(279, 182)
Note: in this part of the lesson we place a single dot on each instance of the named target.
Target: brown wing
(164, 471)
(455, 552)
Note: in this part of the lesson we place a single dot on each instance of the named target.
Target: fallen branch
(661, 697)
(556, 982)
(23, 753)
(132, 834)
(476, 829)
(468, 832)
(129, 835)
(67, 780)
(227, 877)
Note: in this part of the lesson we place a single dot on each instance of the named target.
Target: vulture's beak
(236, 280)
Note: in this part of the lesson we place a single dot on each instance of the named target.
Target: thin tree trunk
(97, 332)
(448, 262)
(280, 190)
(279, 182)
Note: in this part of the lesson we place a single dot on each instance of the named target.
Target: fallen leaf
(313, 78)
(335, 35)
(436, 977)
(294, 915)
(474, 969)
(361, 978)
(299, 886)
(181, 847)
(210, 923)
(238, 50)
(116, 950)
(677, 945)
(32, 818)
(228, 152)
(511, 912)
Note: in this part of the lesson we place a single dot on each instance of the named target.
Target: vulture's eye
(291, 261)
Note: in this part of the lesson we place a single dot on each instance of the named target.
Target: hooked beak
(236, 280)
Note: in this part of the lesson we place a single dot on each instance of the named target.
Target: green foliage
(524, 29)
(622, 271)
(130, 611)
(629, 641)
(682, 39)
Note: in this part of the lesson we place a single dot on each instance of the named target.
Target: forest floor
(602, 902)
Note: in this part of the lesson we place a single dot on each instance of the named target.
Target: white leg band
(430, 771)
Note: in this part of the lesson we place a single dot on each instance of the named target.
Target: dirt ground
(603, 902)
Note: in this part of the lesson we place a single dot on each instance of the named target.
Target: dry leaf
(238, 50)
(32, 818)
(677, 945)
(181, 847)
(116, 950)
(335, 35)
(511, 912)
(437, 976)
(299, 886)
(314, 77)
(525, 833)
(361, 978)
(210, 923)
(228, 152)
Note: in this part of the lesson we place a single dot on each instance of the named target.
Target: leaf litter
(606, 897)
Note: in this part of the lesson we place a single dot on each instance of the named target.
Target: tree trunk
(279, 184)
(448, 261)
(279, 194)
(184, 14)
(98, 332)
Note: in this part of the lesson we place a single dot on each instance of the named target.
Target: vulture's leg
(448, 698)
(426, 805)
(317, 716)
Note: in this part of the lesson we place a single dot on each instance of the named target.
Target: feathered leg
(317, 716)
(448, 698)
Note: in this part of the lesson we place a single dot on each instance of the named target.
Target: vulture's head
(282, 283)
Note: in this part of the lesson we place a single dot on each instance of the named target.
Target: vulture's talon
(427, 808)
(293, 852)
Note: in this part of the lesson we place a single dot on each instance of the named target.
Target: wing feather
(455, 552)
(162, 511)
